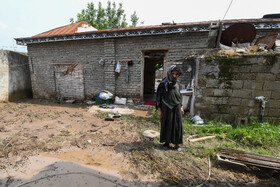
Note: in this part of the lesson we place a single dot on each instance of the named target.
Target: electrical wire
(227, 10)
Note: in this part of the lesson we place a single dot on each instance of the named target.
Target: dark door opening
(153, 73)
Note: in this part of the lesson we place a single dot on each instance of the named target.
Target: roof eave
(148, 31)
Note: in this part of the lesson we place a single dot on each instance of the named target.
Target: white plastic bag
(105, 95)
(118, 67)
(197, 119)
(120, 101)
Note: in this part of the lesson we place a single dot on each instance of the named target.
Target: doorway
(154, 63)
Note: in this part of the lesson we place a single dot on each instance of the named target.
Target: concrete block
(237, 84)
(261, 69)
(249, 103)
(273, 112)
(265, 76)
(253, 85)
(244, 93)
(234, 101)
(264, 93)
(222, 92)
(272, 86)
(212, 83)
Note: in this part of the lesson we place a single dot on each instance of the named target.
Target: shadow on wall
(15, 81)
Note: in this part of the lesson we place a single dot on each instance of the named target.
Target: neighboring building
(15, 80)
(77, 61)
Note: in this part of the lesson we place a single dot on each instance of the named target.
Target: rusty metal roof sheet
(238, 33)
(68, 29)
(68, 33)
(269, 40)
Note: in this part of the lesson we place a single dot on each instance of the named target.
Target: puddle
(101, 159)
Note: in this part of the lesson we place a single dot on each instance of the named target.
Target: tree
(105, 18)
(134, 19)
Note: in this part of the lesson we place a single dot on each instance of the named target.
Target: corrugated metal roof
(72, 28)
(68, 29)
(70, 32)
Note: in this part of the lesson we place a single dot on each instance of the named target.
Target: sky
(26, 18)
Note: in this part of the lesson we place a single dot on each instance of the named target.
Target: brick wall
(45, 56)
(226, 87)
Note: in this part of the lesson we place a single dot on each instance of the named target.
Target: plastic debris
(120, 101)
(105, 95)
(197, 119)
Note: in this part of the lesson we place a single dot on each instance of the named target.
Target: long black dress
(169, 100)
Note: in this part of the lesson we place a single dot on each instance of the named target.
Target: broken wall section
(227, 86)
(15, 80)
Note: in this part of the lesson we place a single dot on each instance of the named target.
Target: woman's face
(175, 74)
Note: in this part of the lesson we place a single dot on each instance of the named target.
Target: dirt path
(50, 144)
(63, 141)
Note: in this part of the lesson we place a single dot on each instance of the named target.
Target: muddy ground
(43, 143)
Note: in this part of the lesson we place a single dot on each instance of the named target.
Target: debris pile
(242, 38)
(246, 159)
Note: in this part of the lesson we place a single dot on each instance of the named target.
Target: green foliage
(134, 19)
(105, 18)
(256, 134)
(154, 118)
(260, 137)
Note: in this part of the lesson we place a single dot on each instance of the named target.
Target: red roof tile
(68, 29)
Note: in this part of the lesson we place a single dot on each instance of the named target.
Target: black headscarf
(169, 80)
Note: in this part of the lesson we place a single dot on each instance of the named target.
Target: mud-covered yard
(43, 143)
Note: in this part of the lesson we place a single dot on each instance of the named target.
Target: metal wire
(227, 9)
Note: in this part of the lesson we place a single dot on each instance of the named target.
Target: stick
(209, 172)
(202, 138)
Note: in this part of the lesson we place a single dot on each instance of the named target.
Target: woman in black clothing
(170, 110)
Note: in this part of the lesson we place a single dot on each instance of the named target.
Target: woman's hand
(159, 113)
(182, 110)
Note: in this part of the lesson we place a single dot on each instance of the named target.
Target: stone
(150, 133)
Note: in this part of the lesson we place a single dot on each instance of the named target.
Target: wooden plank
(202, 138)
(252, 159)
(250, 155)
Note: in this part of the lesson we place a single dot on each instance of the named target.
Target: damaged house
(77, 62)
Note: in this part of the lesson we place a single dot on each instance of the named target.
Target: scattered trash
(105, 95)
(150, 133)
(109, 117)
(118, 67)
(90, 102)
(70, 101)
(268, 40)
(106, 106)
(197, 119)
(136, 100)
(262, 101)
(116, 114)
(129, 102)
(120, 101)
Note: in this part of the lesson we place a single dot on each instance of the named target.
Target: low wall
(227, 86)
(15, 80)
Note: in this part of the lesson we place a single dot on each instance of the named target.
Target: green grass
(148, 156)
(262, 138)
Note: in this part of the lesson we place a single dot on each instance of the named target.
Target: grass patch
(179, 169)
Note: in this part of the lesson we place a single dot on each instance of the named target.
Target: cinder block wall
(227, 87)
(14, 76)
(44, 56)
